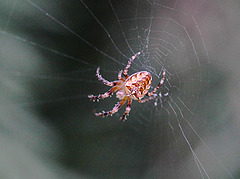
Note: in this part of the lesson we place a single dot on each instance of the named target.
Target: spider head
(120, 94)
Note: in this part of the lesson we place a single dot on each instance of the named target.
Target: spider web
(49, 61)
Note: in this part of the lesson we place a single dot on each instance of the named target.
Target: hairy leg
(128, 109)
(120, 76)
(100, 78)
(129, 64)
(114, 110)
(105, 95)
(148, 99)
(159, 85)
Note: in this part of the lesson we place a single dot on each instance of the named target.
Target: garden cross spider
(133, 87)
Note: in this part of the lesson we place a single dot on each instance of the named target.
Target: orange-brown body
(138, 84)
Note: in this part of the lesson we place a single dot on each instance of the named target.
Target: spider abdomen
(138, 84)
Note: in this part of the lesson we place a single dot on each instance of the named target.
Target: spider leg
(148, 99)
(128, 108)
(114, 110)
(105, 95)
(120, 76)
(159, 85)
(100, 78)
(129, 64)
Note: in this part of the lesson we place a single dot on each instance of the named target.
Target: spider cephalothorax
(131, 87)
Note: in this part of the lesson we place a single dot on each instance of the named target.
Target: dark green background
(47, 125)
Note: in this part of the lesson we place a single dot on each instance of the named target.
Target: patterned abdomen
(138, 84)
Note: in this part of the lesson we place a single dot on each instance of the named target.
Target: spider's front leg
(100, 78)
(105, 95)
(129, 64)
(114, 110)
(120, 76)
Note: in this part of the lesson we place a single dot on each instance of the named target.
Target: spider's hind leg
(159, 85)
(105, 95)
(128, 109)
(148, 99)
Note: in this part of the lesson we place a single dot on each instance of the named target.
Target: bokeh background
(47, 69)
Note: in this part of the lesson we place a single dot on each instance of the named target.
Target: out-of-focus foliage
(47, 125)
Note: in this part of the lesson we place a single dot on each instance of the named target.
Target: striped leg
(105, 95)
(114, 110)
(100, 78)
(148, 99)
(120, 75)
(159, 85)
(129, 64)
(128, 108)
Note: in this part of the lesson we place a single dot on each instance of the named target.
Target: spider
(133, 87)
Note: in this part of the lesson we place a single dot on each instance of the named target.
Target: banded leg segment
(114, 110)
(159, 85)
(120, 76)
(128, 109)
(129, 64)
(105, 95)
(148, 99)
(100, 78)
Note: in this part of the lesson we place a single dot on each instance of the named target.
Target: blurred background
(49, 53)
